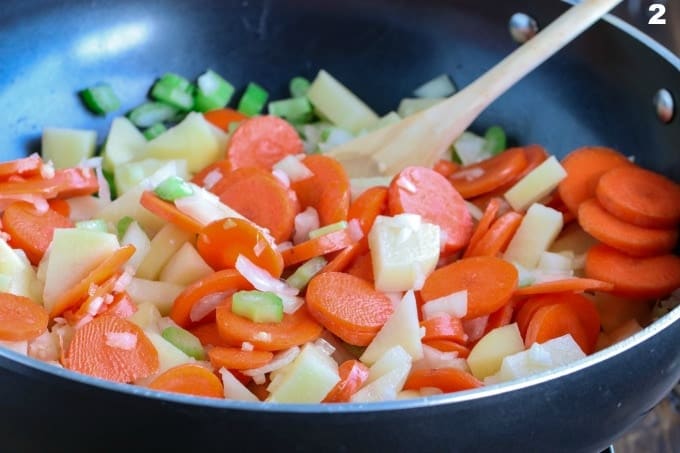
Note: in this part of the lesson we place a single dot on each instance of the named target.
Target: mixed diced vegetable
(219, 252)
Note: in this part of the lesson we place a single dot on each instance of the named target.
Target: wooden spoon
(421, 138)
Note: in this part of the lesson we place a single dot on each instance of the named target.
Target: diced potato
(205, 206)
(401, 329)
(160, 294)
(404, 251)
(67, 147)
(169, 356)
(308, 379)
(147, 317)
(234, 389)
(17, 275)
(386, 377)
(487, 355)
(537, 184)
(339, 105)
(539, 357)
(185, 267)
(222, 138)
(128, 175)
(74, 253)
(387, 120)
(136, 236)
(409, 106)
(84, 208)
(539, 228)
(550, 261)
(163, 245)
(392, 359)
(192, 140)
(123, 143)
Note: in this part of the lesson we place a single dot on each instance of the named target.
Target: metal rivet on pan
(664, 105)
(522, 27)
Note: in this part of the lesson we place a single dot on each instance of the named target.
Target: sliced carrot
(169, 212)
(584, 167)
(627, 237)
(368, 206)
(449, 346)
(483, 225)
(98, 349)
(571, 284)
(420, 190)
(94, 302)
(445, 167)
(21, 318)
(444, 327)
(31, 230)
(189, 379)
(219, 284)
(65, 183)
(353, 374)
(122, 306)
(362, 267)
(489, 282)
(640, 197)
(75, 295)
(501, 317)
(260, 197)
(212, 174)
(261, 142)
(319, 246)
(208, 334)
(221, 242)
(222, 118)
(448, 380)
(238, 359)
(638, 278)
(348, 306)
(328, 191)
(497, 238)
(295, 329)
(553, 321)
(60, 206)
(25, 166)
(344, 258)
(490, 174)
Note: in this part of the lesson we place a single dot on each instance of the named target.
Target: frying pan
(599, 90)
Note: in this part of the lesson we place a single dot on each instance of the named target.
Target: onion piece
(280, 360)
(324, 346)
(474, 211)
(261, 279)
(212, 178)
(293, 168)
(247, 346)
(207, 305)
(454, 304)
(356, 233)
(434, 359)
(306, 221)
(282, 177)
(121, 340)
(234, 389)
(291, 304)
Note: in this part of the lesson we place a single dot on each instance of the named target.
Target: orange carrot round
(553, 321)
(348, 306)
(571, 284)
(345, 257)
(445, 167)
(328, 191)
(222, 118)
(638, 278)
(215, 171)
(30, 230)
(640, 197)
(420, 190)
(353, 374)
(60, 206)
(261, 142)
(295, 329)
(21, 318)
(447, 380)
(489, 282)
(444, 327)
(449, 346)
(189, 379)
(627, 237)
(25, 166)
(237, 358)
(169, 212)
(112, 348)
(318, 246)
(485, 176)
(584, 167)
(362, 267)
(221, 242)
(122, 306)
(498, 236)
(208, 334)
(485, 222)
(260, 197)
(367, 206)
(226, 281)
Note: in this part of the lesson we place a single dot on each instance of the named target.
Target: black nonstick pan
(599, 90)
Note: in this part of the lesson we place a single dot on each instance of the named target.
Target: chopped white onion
(45, 347)
(234, 389)
(264, 337)
(356, 233)
(305, 221)
(282, 177)
(83, 321)
(212, 178)
(124, 280)
(279, 360)
(104, 189)
(247, 346)
(47, 170)
(94, 306)
(454, 304)
(121, 340)
(291, 304)
(293, 168)
(207, 305)
(165, 322)
(474, 211)
(470, 174)
(261, 279)
(284, 246)
(324, 346)
(259, 247)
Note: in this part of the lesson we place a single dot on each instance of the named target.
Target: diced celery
(100, 99)
(496, 141)
(150, 113)
(439, 87)
(299, 87)
(123, 224)
(173, 188)
(174, 90)
(253, 100)
(154, 131)
(185, 341)
(128, 175)
(297, 110)
(258, 306)
(470, 148)
(305, 272)
(333, 227)
(213, 92)
(332, 137)
(92, 225)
